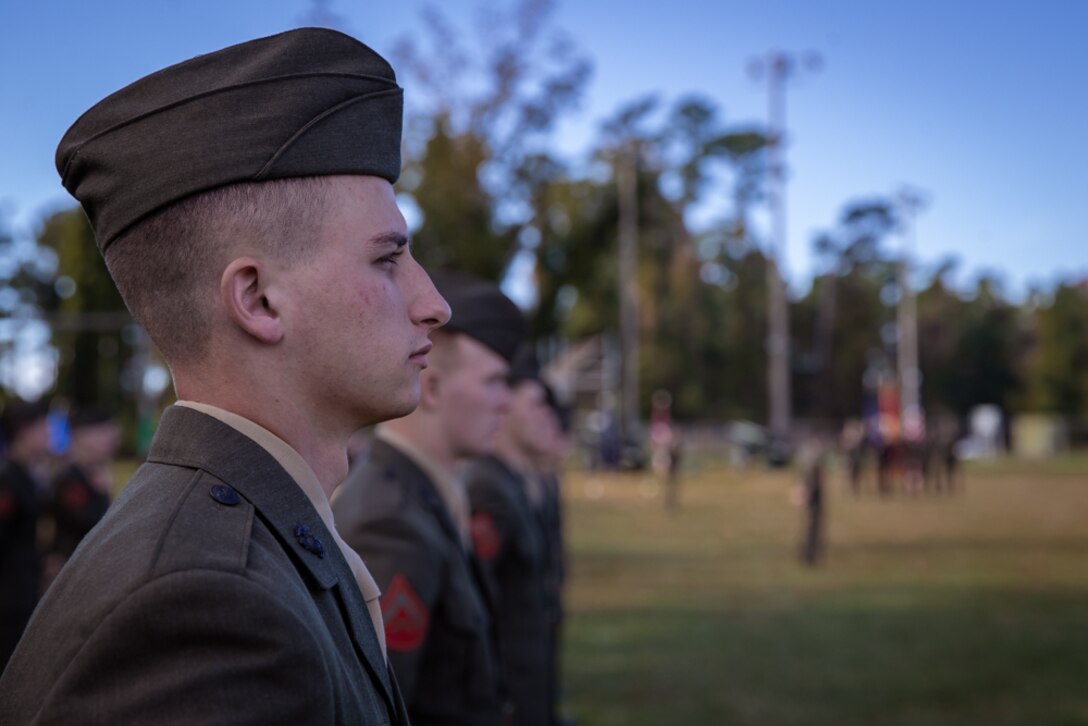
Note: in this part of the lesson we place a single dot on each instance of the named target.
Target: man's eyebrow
(390, 238)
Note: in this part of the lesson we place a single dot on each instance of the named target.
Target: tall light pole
(627, 191)
(910, 201)
(779, 68)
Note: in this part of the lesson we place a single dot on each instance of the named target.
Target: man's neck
(329, 461)
(322, 448)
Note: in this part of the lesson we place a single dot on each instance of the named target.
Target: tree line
(489, 194)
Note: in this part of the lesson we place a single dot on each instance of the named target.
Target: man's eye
(391, 258)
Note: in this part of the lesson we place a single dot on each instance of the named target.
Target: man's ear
(243, 291)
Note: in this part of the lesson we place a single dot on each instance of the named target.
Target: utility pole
(779, 68)
(627, 189)
(910, 201)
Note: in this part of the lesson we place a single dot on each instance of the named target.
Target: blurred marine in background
(550, 466)
(81, 489)
(26, 437)
(405, 510)
(506, 493)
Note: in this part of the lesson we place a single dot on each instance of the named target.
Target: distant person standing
(950, 460)
(945, 462)
(81, 489)
(853, 446)
(26, 435)
(812, 499)
(506, 494)
(665, 447)
(886, 461)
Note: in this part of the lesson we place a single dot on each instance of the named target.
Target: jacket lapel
(191, 438)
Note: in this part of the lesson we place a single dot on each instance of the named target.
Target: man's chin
(393, 410)
(405, 408)
(481, 448)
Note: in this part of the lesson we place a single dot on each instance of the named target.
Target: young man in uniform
(507, 500)
(404, 509)
(243, 201)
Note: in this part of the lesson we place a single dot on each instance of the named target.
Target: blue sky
(982, 106)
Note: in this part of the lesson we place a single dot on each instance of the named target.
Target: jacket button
(224, 495)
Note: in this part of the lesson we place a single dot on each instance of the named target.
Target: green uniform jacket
(211, 593)
(509, 541)
(437, 624)
(551, 517)
(20, 570)
(76, 507)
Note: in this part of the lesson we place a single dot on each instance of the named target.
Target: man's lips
(420, 353)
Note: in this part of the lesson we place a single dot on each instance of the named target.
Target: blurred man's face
(472, 397)
(559, 439)
(97, 443)
(530, 421)
(32, 441)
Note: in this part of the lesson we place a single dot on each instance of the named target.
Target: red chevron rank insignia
(406, 617)
(485, 536)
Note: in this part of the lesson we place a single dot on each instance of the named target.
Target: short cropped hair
(167, 267)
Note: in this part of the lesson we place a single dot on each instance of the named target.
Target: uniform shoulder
(168, 521)
(381, 485)
(386, 502)
(184, 628)
(487, 477)
(210, 529)
(170, 518)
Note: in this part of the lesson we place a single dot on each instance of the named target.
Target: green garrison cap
(480, 310)
(308, 102)
(525, 366)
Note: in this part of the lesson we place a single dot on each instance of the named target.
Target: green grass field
(970, 609)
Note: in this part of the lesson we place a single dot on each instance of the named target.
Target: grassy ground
(969, 609)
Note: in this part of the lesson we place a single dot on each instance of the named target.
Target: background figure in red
(81, 489)
(665, 447)
(26, 435)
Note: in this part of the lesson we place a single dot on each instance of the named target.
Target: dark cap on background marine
(80, 418)
(480, 310)
(525, 366)
(308, 102)
(17, 415)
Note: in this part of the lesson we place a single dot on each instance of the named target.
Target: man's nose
(429, 308)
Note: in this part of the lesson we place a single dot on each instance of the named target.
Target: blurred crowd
(926, 463)
(55, 483)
